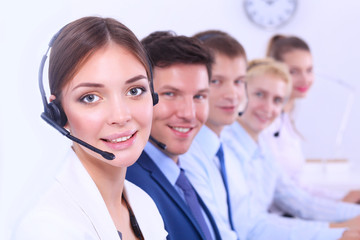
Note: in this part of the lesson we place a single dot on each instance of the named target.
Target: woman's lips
(302, 89)
(119, 143)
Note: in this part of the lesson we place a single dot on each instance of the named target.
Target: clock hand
(269, 2)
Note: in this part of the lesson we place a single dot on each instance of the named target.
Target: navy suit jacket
(178, 220)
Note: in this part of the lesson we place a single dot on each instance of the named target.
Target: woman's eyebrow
(136, 78)
(100, 85)
(88, 84)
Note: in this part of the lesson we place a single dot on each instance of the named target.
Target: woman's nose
(118, 112)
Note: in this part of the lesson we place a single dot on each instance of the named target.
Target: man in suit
(182, 70)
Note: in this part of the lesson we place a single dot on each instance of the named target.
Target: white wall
(30, 150)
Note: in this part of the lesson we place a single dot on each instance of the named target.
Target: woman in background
(282, 135)
(269, 87)
(99, 80)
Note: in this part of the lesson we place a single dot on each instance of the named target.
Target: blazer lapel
(148, 164)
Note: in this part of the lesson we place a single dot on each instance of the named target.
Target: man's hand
(351, 235)
(352, 197)
(353, 223)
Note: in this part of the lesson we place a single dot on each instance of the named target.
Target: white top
(287, 151)
(73, 208)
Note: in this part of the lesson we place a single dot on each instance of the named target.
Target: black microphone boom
(66, 133)
(160, 144)
(277, 133)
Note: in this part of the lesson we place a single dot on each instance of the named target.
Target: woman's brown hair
(280, 44)
(79, 39)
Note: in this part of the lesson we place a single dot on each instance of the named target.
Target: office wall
(30, 151)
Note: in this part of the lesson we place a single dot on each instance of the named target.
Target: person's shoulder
(140, 170)
(145, 211)
(138, 197)
(53, 217)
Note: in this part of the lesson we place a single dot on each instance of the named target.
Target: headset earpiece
(55, 112)
(154, 95)
(155, 98)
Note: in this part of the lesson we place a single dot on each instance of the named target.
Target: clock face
(270, 14)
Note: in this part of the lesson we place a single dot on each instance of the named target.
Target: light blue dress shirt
(202, 168)
(268, 184)
(171, 170)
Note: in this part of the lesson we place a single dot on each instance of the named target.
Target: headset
(277, 133)
(54, 114)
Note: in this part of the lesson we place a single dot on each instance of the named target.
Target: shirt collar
(207, 138)
(167, 166)
(245, 140)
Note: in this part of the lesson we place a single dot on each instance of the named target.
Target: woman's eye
(278, 100)
(136, 91)
(90, 98)
(294, 72)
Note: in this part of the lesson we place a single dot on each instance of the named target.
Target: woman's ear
(52, 98)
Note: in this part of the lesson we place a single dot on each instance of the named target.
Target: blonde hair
(262, 66)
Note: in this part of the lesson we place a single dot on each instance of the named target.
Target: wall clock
(270, 14)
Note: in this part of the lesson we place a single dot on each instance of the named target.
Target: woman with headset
(101, 98)
(269, 86)
(282, 135)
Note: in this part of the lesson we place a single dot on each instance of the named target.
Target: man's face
(183, 105)
(227, 91)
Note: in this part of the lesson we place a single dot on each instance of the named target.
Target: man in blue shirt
(182, 69)
(212, 177)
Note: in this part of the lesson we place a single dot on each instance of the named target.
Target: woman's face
(266, 94)
(300, 65)
(109, 105)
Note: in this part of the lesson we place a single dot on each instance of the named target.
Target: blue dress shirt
(268, 184)
(202, 168)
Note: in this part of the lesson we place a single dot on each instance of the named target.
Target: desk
(333, 174)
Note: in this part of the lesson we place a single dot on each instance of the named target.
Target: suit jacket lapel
(147, 163)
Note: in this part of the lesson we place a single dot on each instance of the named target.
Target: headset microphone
(277, 133)
(160, 144)
(246, 99)
(66, 133)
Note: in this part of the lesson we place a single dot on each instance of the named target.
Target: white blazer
(73, 208)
